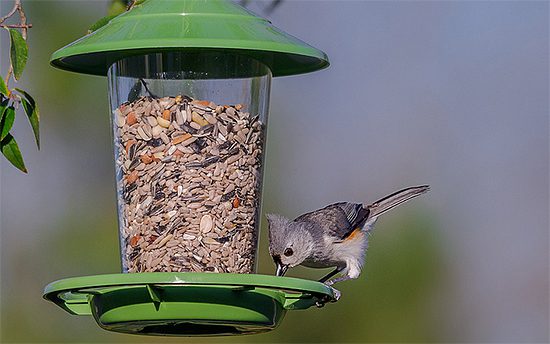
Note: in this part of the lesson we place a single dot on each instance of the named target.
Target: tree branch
(131, 5)
(10, 72)
(17, 26)
(16, 6)
(23, 21)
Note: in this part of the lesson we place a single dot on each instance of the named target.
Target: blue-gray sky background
(449, 93)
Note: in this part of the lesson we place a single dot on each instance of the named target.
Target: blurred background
(452, 94)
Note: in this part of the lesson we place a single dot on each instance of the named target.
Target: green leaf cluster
(10, 100)
(116, 8)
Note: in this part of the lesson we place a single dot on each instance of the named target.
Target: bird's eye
(288, 252)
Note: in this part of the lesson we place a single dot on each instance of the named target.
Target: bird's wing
(357, 215)
(354, 211)
(338, 220)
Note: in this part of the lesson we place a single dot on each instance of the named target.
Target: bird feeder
(189, 85)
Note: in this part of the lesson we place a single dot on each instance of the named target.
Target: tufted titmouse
(334, 236)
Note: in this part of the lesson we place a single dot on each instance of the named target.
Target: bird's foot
(338, 279)
(337, 294)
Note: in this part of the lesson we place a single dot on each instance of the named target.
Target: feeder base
(186, 303)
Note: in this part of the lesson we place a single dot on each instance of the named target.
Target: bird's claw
(337, 294)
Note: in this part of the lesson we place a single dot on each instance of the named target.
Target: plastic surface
(166, 188)
(186, 304)
(190, 25)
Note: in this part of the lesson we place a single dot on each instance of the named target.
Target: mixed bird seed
(188, 179)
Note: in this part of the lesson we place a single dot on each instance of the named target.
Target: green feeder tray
(187, 303)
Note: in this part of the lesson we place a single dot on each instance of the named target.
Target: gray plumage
(334, 236)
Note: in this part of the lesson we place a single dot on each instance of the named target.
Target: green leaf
(7, 122)
(100, 23)
(3, 88)
(31, 109)
(18, 53)
(11, 151)
(117, 7)
(3, 106)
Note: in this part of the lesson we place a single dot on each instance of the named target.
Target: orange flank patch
(353, 234)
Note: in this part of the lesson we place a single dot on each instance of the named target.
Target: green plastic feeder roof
(189, 25)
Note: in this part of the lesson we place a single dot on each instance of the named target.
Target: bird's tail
(391, 201)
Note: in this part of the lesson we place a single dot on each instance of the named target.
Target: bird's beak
(281, 269)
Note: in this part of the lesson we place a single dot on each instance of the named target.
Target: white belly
(353, 249)
(349, 253)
